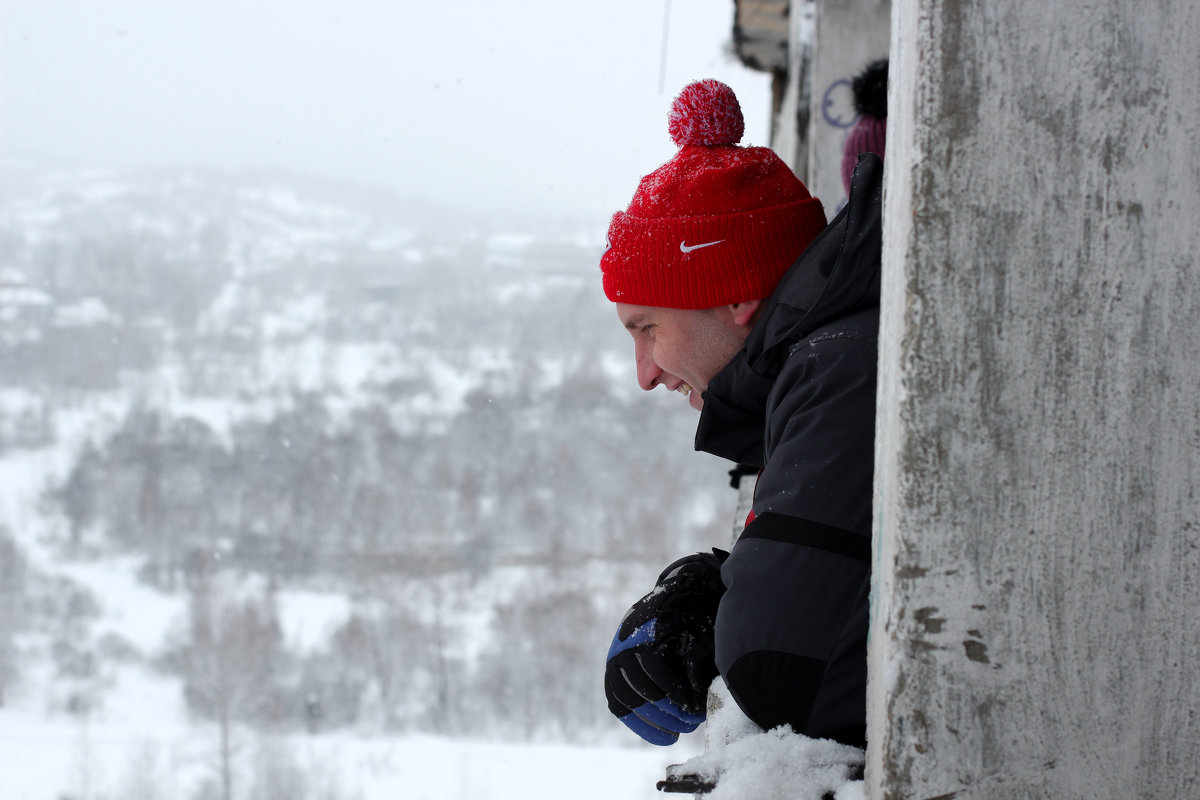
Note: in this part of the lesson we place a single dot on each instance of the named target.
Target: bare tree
(231, 664)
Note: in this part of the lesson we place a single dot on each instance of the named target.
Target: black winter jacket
(799, 402)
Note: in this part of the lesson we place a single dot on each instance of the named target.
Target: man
(777, 350)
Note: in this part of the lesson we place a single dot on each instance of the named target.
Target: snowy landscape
(309, 491)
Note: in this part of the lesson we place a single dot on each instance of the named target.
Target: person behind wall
(868, 134)
(738, 296)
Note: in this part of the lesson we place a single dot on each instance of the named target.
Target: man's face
(683, 349)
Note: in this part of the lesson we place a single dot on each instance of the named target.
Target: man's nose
(648, 371)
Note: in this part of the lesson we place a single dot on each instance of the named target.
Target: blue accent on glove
(668, 716)
(647, 731)
(689, 721)
(643, 634)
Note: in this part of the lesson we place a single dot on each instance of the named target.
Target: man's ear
(745, 313)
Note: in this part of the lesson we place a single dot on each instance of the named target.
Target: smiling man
(738, 296)
(682, 350)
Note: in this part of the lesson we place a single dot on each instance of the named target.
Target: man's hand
(661, 662)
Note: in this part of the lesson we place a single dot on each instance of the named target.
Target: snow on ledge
(745, 761)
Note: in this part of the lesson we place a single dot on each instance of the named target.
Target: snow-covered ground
(48, 759)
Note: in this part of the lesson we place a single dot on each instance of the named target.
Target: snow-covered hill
(318, 480)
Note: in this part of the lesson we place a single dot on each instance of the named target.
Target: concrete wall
(847, 35)
(793, 92)
(1036, 619)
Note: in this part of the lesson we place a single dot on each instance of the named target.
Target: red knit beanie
(717, 224)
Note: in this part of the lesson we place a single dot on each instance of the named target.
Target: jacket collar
(837, 274)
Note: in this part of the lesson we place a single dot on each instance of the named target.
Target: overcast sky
(543, 104)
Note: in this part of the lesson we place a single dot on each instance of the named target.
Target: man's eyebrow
(635, 322)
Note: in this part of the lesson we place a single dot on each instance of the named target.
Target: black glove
(661, 661)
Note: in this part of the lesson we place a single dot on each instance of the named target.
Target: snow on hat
(869, 132)
(717, 224)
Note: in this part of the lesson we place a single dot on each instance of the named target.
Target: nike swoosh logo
(684, 247)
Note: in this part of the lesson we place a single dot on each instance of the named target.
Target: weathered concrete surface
(1036, 619)
(792, 123)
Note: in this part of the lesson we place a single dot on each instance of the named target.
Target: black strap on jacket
(794, 530)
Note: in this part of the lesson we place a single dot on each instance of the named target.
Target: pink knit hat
(717, 224)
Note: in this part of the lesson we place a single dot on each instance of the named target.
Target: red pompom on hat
(708, 113)
(717, 224)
